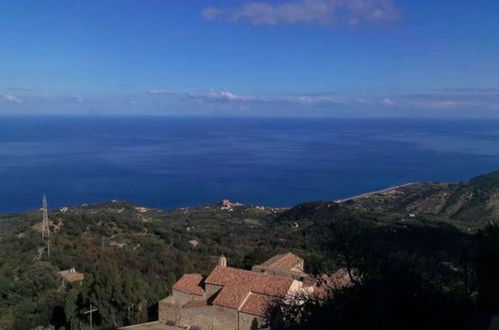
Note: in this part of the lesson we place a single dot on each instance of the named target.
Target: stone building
(231, 298)
(286, 265)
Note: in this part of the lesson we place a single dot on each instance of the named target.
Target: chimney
(222, 261)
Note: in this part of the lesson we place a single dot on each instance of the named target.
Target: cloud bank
(431, 104)
(8, 98)
(455, 102)
(312, 12)
(223, 97)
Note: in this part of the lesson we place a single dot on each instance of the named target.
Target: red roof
(190, 283)
(341, 278)
(257, 304)
(324, 284)
(284, 262)
(238, 283)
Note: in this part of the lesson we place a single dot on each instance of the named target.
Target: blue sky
(344, 58)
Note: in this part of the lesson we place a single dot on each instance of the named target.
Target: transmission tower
(45, 224)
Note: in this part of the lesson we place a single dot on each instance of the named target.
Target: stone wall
(168, 310)
(211, 289)
(246, 321)
(182, 298)
(206, 318)
(209, 318)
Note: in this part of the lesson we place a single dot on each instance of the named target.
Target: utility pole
(91, 311)
(45, 224)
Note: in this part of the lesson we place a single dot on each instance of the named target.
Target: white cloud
(317, 99)
(444, 104)
(465, 99)
(223, 96)
(388, 102)
(332, 102)
(210, 13)
(327, 103)
(314, 12)
(302, 100)
(11, 99)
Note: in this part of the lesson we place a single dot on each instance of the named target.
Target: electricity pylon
(45, 224)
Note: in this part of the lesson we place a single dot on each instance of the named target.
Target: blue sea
(179, 162)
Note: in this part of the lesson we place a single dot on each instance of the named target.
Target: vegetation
(407, 246)
(399, 288)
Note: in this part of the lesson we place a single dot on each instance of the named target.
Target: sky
(296, 58)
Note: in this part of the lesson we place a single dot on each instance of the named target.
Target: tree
(170, 280)
(71, 308)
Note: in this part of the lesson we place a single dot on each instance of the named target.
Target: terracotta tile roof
(324, 284)
(231, 296)
(257, 304)
(309, 281)
(341, 279)
(71, 276)
(238, 283)
(284, 262)
(190, 283)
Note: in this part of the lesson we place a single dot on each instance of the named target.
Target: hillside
(131, 255)
(469, 205)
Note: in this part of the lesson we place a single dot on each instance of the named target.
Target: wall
(295, 287)
(246, 321)
(182, 298)
(211, 289)
(210, 318)
(168, 310)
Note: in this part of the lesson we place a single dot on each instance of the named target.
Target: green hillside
(131, 255)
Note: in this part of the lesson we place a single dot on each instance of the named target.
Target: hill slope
(471, 204)
(131, 254)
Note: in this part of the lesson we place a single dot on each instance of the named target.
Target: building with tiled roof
(235, 286)
(257, 304)
(190, 284)
(286, 265)
(71, 276)
(231, 298)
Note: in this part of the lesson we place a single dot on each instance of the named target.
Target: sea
(172, 162)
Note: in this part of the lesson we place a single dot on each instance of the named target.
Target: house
(286, 265)
(71, 276)
(231, 298)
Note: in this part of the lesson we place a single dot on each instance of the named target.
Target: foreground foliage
(399, 290)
